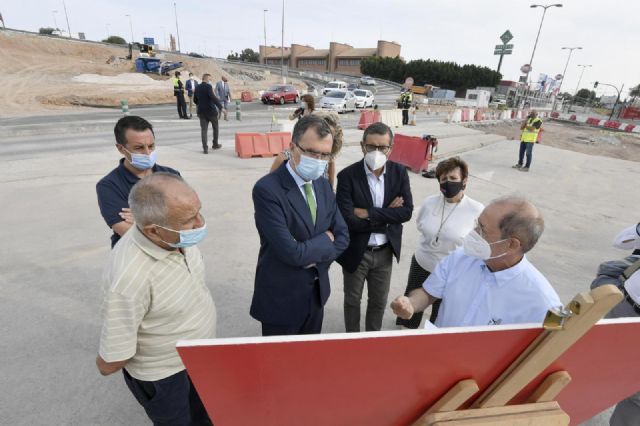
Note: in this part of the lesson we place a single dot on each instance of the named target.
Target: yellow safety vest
(176, 82)
(531, 135)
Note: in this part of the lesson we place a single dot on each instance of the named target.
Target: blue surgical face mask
(143, 161)
(310, 168)
(188, 238)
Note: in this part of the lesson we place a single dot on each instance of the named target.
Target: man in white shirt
(154, 295)
(489, 281)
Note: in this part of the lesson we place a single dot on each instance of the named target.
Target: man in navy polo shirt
(135, 140)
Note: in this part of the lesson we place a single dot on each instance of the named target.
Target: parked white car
(364, 98)
(334, 85)
(339, 101)
(367, 81)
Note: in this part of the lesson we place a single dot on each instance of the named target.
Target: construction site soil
(44, 73)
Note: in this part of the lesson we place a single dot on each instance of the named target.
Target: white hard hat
(628, 239)
(632, 285)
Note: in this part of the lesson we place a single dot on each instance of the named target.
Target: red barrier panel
(629, 127)
(246, 96)
(612, 124)
(252, 145)
(593, 121)
(479, 115)
(465, 114)
(630, 113)
(555, 114)
(367, 118)
(278, 141)
(412, 151)
(513, 113)
(573, 117)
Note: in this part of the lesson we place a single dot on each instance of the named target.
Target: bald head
(159, 197)
(518, 218)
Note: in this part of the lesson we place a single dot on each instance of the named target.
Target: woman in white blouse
(443, 221)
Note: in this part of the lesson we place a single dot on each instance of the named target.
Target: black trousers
(172, 401)
(204, 128)
(181, 104)
(312, 324)
(405, 116)
(417, 277)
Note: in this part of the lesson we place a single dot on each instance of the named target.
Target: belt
(628, 298)
(376, 248)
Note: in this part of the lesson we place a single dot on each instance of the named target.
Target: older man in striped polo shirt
(155, 295)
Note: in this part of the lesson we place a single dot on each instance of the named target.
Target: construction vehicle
(148, 62)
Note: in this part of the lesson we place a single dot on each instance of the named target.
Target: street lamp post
(580, 79)
(564, 73)
(55, 24)
(131, 27)
(67, 17)
(175, 11)
(282, 46)
(264, 15)
(545, 7)
(617, 98)
(164, 38)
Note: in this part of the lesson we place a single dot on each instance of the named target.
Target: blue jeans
(172, 401)
(528, 148)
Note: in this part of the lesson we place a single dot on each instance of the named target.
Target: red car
(280, 94)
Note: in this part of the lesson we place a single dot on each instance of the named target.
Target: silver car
(339, 101)
(364, 98)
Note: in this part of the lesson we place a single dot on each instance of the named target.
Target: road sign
(526, 68)
(502, 52)
(506, 37)
(503, 46)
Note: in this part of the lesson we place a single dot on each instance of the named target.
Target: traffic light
(595, 84)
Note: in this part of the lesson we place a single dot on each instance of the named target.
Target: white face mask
(375, 159)
(304, 105)
(476, 246)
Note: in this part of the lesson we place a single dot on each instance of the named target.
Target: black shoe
(431, 174)
(205, 150)
(216, 146)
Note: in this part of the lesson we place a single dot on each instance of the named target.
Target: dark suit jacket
(206, 100)
(353, 191)
(289, 242)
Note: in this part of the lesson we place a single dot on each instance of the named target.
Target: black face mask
(451, 189)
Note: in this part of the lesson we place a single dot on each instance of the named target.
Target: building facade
(340, 57)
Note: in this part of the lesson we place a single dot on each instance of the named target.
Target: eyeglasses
(315, 154)
(382, 148)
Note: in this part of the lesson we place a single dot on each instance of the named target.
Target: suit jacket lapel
(295, 198)
(364, 183)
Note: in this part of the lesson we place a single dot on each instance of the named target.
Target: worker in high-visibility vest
(530, 129)
(404, 102)
(178, 92)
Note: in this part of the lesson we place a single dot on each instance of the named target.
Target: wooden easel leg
(452, 400)
(550, 387)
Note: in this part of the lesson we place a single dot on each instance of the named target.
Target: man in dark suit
(375, 199)
(208, 110)
(301, 233)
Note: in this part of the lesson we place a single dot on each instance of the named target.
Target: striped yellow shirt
(152, 298)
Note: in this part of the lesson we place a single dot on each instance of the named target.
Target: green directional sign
(502, 52)
(506, 37)
(504, 46)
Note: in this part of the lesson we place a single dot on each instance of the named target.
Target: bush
(46, 30)
(115, 40)
(448, 75)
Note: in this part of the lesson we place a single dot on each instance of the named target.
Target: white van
(334, 85)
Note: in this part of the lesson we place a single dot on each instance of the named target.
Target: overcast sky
(464, 31)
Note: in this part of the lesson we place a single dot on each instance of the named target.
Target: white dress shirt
(376, 186)
(473, 295)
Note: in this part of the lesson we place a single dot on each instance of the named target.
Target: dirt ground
(41, 74)
(573, 137)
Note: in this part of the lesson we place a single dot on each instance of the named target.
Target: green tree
(233, 56)
(585, 96)
(46, 30)
(114, 40)
(248, 55)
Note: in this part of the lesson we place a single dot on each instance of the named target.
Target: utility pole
(175, 11)
(264, 15)
(67, 16)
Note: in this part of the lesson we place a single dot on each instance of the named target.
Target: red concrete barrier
(412, 151)
(367, 118)
(629, 128)
(278, 141)
(593, 121)
(573, 117)
(252, 145)
(555, 114)
(609, 124)
(479, 115)
(246, 96)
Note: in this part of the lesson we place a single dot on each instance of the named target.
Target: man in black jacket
(208, 110)
(374, 197)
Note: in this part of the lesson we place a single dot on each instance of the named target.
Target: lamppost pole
(282, 46)
(175, 11)
(67, 17)
(264, 15)
(580, 79)
(545, 7)
(55, 24)
(130, 27)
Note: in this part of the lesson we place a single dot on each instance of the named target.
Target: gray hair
(148, 198)
(314, 122)
(524, 221)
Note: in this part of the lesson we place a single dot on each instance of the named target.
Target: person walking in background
(404, 102)
(191, 87)
(443, 221)
(374, 196)
(178, 92)
(224, 94)
(208, 108)
(307, 107)
(301, 233)
(530, 129)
